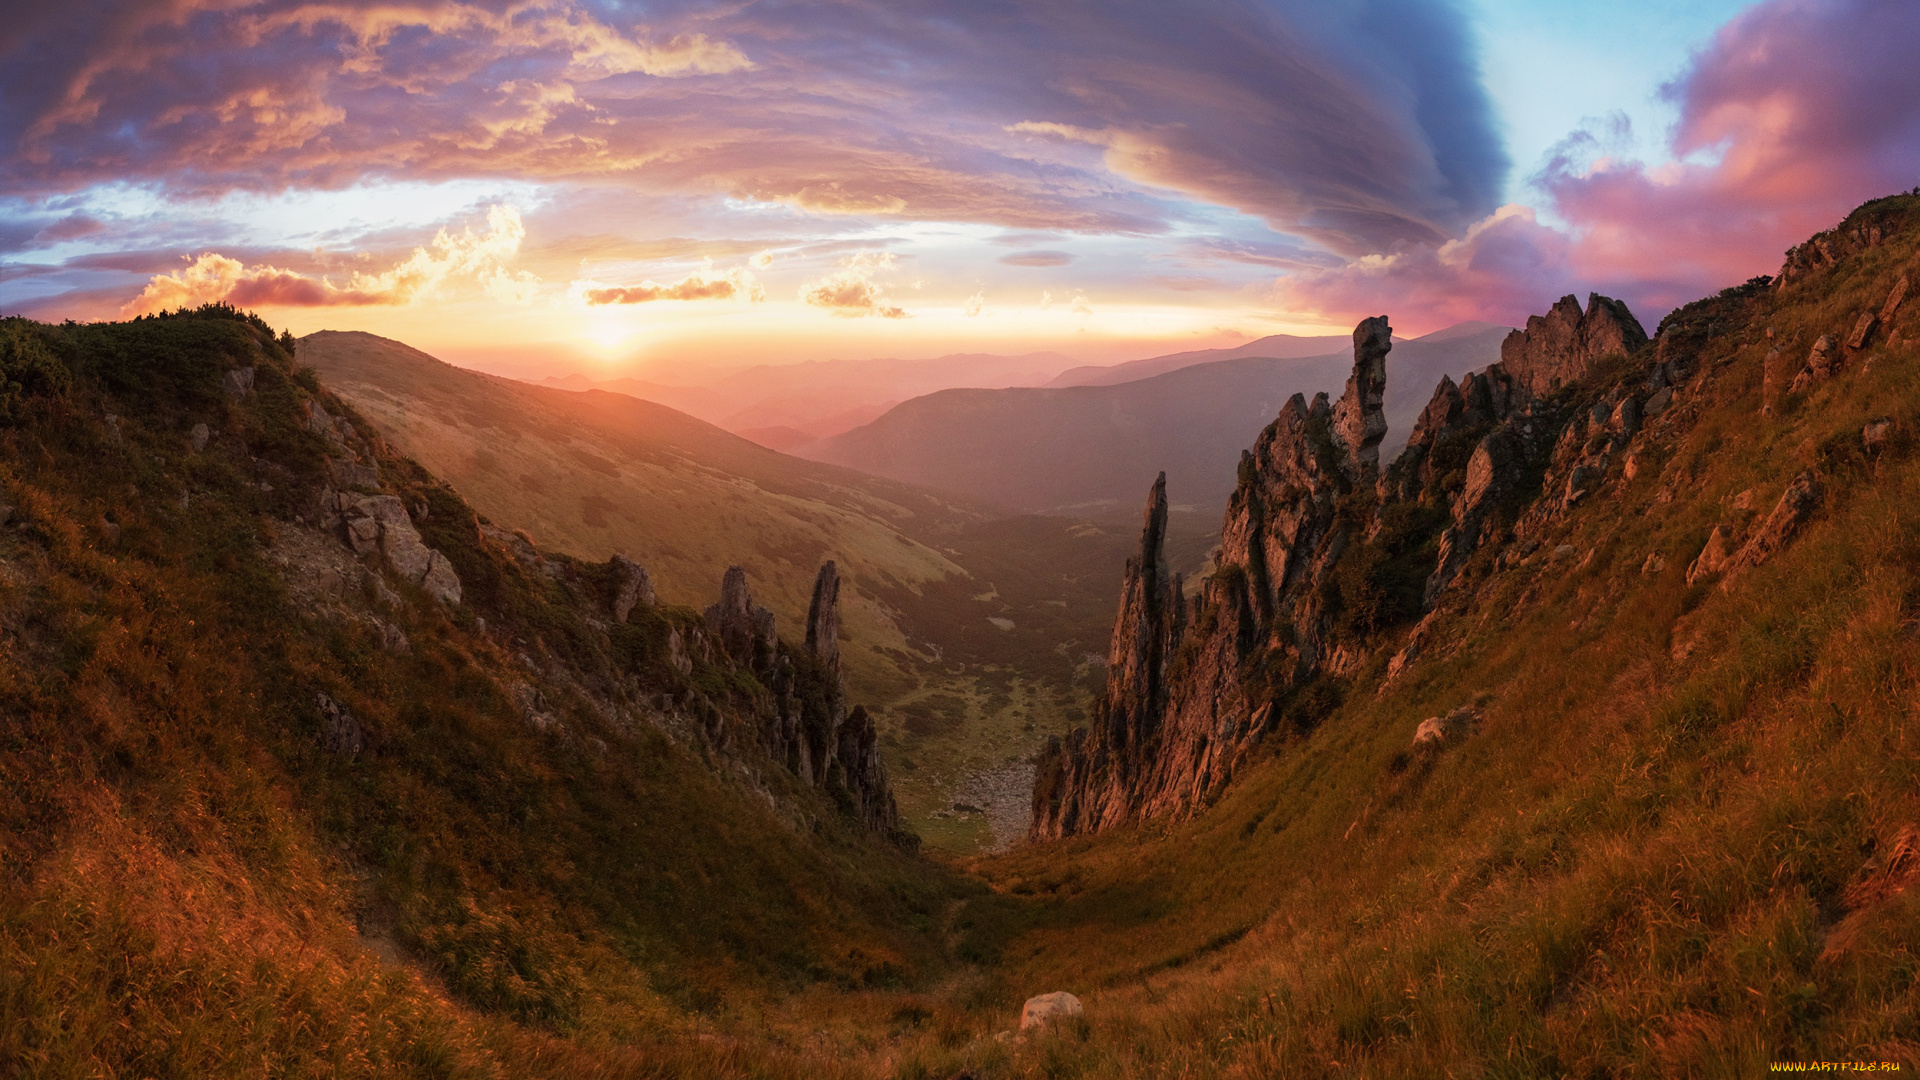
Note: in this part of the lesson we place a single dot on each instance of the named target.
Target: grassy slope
(190, 886)
(1680, 844)
(594, 473)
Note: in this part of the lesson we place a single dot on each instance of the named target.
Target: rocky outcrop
(823, 618)
(1796, 505)
(809, 728)
(381, 523)
(1316, 550)
(1560, 347)
(744, 629)
(1177, 715)
(1096, 776)
(632, 587)
(1823, 363)
(1360, 420)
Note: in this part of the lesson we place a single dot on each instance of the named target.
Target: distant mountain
(822, 398)
(1090, 449)
(1276, 346)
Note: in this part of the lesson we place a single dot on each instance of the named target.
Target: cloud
(1796, 112)
(975, 304)
(1037, 258)
(702, 284)
(481, 259)
(851, 293)
(1498, 271)
(1360, 126)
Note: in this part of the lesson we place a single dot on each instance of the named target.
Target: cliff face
(1325, 558)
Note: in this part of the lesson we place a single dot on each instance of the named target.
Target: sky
(667, 187)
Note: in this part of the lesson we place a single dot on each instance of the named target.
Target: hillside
(1084, 449)
(1576, 742)
(595, 473)
(305, 764)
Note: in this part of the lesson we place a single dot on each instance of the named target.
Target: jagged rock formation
(809, 729)
(1323, 555)
(744, 629)
(823, 617)
(1560, 347)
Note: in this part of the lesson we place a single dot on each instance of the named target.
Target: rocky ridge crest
(1326, 559)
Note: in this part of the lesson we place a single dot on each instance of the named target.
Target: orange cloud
(851, 292)
(702, 284)
(478, 258)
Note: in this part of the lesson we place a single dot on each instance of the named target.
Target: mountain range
(1082, 449)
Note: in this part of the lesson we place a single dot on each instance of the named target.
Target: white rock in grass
(1045, 1009)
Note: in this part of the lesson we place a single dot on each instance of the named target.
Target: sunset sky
(595, 185)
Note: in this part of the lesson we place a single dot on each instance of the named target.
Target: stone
(1713, 557)
(1654, 564)
(349, 473)
(1875, 434)
(1862, 330)
(1562, 346)
(1631, 467)
(1044, 1009)
(823, 617)
(1435, 730)
(201, 433)
(238, 383)
(1659, 402)
(1360, 419)
(381, 521)
(858, 758)
(1894, 298)
(340, 733)
(1796, 505)
(1773, 379)
(632, 587)
(1822, 363)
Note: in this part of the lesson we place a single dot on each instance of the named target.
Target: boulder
(1047, 1008)
(340, 733)
(1892, 306)
(201, 433)
(381, 522)
(1712, 558)
(1862, 330)
(1796, 505)
(1875, 434)
(238, 383)
(1435, 730)
(1822, 363)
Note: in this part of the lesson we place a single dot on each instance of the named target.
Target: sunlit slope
(1683, 839)
(268, 805)
(596, 473)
